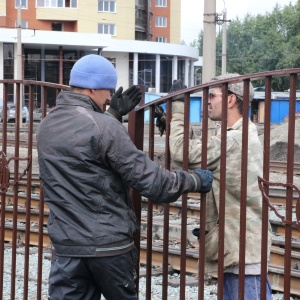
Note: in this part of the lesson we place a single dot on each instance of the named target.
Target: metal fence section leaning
(166, 242)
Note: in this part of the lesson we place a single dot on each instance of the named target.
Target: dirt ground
(279, 142)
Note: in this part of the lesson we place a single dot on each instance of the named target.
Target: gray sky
(192, 13)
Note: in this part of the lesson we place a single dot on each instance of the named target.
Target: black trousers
(89, 278)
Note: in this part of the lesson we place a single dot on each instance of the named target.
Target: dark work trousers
(74, 278)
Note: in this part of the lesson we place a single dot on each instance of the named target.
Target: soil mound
(279, 142)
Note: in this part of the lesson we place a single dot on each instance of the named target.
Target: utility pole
(19, 60)
(223, 22)
(224, 43)
(19, 45)
(209, 49)
(209, 40)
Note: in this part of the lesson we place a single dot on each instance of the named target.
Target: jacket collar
(77, 99)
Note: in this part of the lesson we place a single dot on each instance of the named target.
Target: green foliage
(262, 43)
(199, 43)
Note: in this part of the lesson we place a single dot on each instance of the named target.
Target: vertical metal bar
(2, 220)
(201, 264)
(15, 197)
(166, 208)
(184, 196)
(44, 103)
(28, 195)
(243, 207)
(42, 203)
(265, 208)
(289, 192)
(168, 131)
(136, 133)
(150, 211)
(222, 191)
(40, 246)
(61, 65)
(44, 98)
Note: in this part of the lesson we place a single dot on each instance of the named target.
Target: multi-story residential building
(147, 20)
(140, 37)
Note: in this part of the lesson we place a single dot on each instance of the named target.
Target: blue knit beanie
(93, 72)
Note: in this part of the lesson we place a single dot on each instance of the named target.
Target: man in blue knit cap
(87, 163)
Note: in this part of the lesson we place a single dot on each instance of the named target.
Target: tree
(262, 43)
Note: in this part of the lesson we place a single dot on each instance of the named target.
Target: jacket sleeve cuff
(178, 106)
(197, 182)
(115, 114)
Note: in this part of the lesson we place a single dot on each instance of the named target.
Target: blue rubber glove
(206, 179)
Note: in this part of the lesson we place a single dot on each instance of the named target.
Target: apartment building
(140, 37)
(147, 20)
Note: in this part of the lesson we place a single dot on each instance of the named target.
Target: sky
(192, 13)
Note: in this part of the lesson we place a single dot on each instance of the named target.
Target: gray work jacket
(87, 163)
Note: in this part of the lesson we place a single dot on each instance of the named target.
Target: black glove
(177, 86)
(159, 111)
(204, 184)
(196, 232)
(122, 103)
(160, 116)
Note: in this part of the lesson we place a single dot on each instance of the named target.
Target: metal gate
(165, 246)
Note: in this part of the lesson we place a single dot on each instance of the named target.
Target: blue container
(280, 109)
(195, 107)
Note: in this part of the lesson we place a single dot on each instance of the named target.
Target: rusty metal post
(289, 178)
(166, 208)
(150, 212)
(222, 190)
(244, 176)
(3, 204)
(28, 195)
(204, 137)
(266, 166)
(15, 197)
(136, 133)
(184, 196)
(61, 65)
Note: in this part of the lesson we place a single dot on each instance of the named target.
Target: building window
(56, 3)
(24, 24)
(57, 26)
(107, 6)
(161, 22)
(71, 3)
(22, 3)
(107, 29)
(113, 60)
(8, 68)
(161, 39)
(161, 3)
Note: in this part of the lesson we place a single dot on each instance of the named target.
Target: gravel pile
(279, 141)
